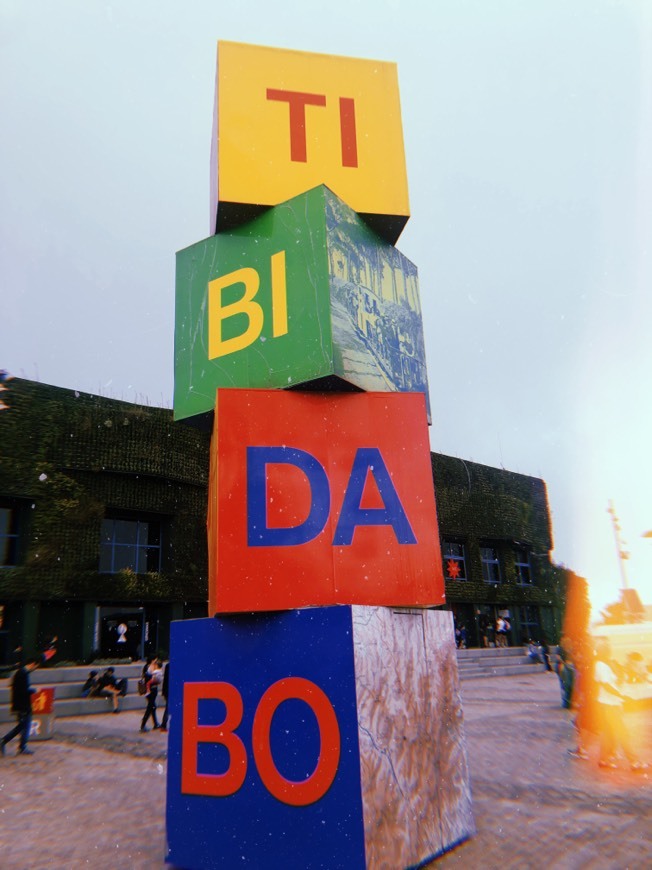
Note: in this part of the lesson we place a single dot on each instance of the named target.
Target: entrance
(122, 632)
(466, 633)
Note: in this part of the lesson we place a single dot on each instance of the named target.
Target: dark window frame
(10, 533)
(491, 570)
(459, 558)
(523, 567)
(131, 542)
(530, 627)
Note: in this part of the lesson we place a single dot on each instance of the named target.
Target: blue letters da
(367, 460)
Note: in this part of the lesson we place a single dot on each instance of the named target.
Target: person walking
(21, 706)
(154, 678)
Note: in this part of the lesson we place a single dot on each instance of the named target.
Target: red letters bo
(296, 794)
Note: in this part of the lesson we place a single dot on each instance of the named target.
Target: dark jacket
(21, 693)
(166, 681)
(105, 680)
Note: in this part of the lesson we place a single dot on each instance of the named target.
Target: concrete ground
(94, 796)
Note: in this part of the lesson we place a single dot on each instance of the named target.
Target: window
(454, 560)
(522, 565)
(134, 544)
(8, 535)
(490, 564)
(530, 624)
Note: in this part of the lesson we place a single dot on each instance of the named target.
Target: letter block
(328, 737)
(286, 121)
(319, 499)
(306, 292)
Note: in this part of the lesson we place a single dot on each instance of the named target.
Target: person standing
(165, 688)
(501, 639)
(545, 651)
(154, 678)
(483, 622)
(21, 706)
(565, 671)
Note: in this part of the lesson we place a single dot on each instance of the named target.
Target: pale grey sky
(528, 132)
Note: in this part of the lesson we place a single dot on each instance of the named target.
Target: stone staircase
(67, 684)
(495, 662)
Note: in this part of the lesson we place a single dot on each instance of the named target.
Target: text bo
(224, 784)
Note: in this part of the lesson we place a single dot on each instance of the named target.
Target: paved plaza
(94, 796)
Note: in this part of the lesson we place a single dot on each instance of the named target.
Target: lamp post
(621, 552)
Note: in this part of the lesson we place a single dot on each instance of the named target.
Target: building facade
(496, 540)
(102, 523)
(103, 530)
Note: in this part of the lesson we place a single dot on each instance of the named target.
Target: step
(85, 706)
(490, 663)
(470, 652)
(88, 706)
(63, 690)
(51, 676)
(67, 684)
(501, 671)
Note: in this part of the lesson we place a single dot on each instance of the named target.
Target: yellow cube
(286, 121)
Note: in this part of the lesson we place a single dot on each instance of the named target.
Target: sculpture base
(325, 737)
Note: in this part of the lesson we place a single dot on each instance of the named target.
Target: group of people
(594, 686)
(154, 678)
(493, 632)
(106, 686)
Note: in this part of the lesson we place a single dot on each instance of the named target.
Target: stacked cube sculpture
(330, 735)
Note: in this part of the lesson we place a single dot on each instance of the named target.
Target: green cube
(304, 295)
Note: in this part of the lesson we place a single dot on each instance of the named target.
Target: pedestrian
(583, 701)
(154, 679)
(565, 671)
(90, 687)
(164, 691)
(610, 706)
(483, 622)
(534, 652)
(508, 628)
(21, 706)
(501, 637)
(545, 652)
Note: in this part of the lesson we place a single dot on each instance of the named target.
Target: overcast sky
(528, 134)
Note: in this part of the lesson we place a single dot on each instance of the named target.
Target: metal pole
(619, 545)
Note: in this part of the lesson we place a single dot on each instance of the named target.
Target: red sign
(43, 701)
(319, 499)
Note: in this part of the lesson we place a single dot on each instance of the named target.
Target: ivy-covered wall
(66, 458)
(478, 505)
